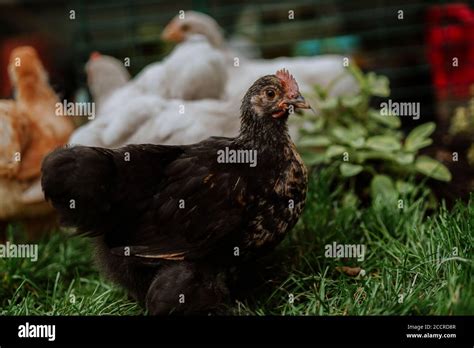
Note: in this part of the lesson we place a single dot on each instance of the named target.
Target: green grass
(417, 262)
(63, 281)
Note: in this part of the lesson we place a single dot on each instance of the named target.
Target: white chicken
(308, 71)
(153, 119)
(176, 77)
(153, 108)
(157, 92)
(105, 74)
(194, 70)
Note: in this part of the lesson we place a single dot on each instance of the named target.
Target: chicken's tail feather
(78, 181)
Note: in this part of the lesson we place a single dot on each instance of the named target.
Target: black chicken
(170, 221)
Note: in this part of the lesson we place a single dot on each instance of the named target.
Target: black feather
(172, 219)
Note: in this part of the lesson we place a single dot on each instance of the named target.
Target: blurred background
(413, 48)
(425, 48)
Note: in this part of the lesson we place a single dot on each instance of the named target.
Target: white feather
(149, 108)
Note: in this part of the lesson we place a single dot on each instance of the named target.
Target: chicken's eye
(185, 27)
(270, 93)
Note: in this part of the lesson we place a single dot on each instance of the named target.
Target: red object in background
(450, 36)
(6, 48)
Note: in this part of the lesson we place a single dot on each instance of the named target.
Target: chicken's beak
(172, 33)
(299, 103)
(95, 55)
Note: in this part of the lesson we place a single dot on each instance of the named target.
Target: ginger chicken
(29, 130)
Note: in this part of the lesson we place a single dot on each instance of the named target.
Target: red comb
(288, 81)
(95, 55)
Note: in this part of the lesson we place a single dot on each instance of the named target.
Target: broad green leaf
(383, 189)
(357, 130)
(335, 150)
(419, 145)
(404, 158)
(348, 169)
(389, 121)
(351, 101)
(378, 85)
(363, 156)
(419, 137)
(383, 143)
(358, 74)
(341, 133)
(314, 141)
(310, 125)
(404, 187)
(312, 158)
(461, 121)
(432, 168)
(353, 136)
(328, 104)
(357, 143)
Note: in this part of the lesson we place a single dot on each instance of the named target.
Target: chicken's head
(25, 65)
(104, 75)
(190, 22)
(274, 97)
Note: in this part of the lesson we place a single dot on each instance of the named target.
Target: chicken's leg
(185, 287)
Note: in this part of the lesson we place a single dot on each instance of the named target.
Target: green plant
(415, 264)
(462, 125)
(359, 138)
(426, 259)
